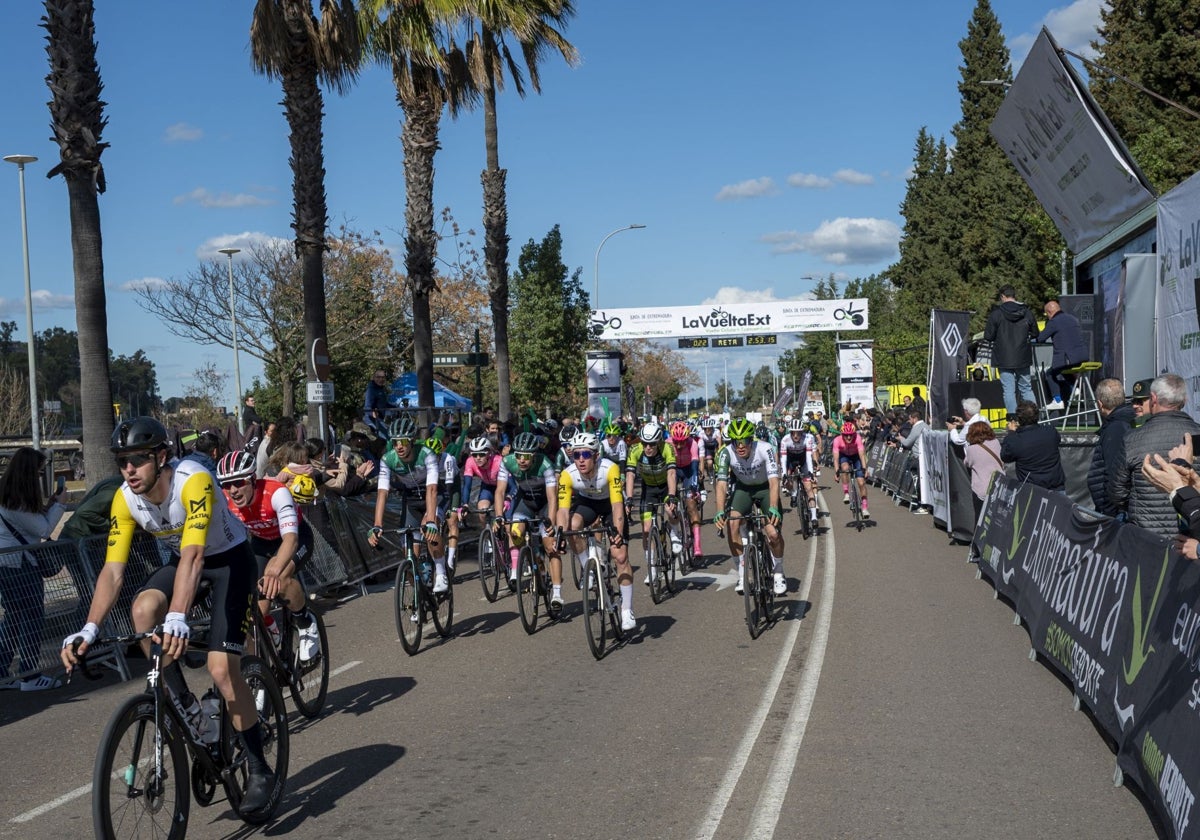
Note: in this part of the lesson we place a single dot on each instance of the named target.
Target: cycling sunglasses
(134, 459)
(402, 441)
(235, 483)
(583, 455)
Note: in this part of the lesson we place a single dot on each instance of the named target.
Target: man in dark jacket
(1033, 450)
(1063, 330)
(1116, 420)
(1164, 429)
(1010, 328)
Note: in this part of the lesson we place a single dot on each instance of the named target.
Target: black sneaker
(258, 790)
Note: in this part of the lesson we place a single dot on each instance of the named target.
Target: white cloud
(204, 198)
(747, 189)
(1073, 27)
(736, 294)
(841, 241)
(142, 283)
(809, 181)
(182, 132)
(853, 176)
(210, 249)
(43, 301)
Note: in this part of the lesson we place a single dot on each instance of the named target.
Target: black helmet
(139, 434)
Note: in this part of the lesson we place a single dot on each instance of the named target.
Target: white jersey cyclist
(797, 451)
(755, 469)
(410, 479)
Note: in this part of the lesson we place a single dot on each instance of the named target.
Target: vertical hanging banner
(856, 371)
(948, 360)
(801, 394)
(1178, 277)
(604, 382)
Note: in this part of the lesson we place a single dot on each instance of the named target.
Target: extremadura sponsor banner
(775, 316)
(1117, 611)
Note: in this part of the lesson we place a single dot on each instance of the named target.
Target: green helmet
(403, 427)
(741, 429)
(612, 429)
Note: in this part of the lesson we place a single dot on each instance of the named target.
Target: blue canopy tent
(405, 388)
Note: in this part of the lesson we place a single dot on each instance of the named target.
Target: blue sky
(757, 149)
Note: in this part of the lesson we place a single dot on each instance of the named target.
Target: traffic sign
(460, 359)
(320, 360)
(320, 392)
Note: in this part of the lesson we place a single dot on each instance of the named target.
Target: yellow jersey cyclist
(176, 502)
(653, 460)
(754, 466)
(410, 470)
(527, 478)
(589, 491)
(281, 541)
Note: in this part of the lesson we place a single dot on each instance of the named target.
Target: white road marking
(86, 789)
(712, 820)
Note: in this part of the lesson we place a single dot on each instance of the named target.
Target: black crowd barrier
(1116, 611)
(37, 613)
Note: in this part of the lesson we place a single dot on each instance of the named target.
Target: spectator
(1176, 477)
(1033, 449)
(918, 402)
(983, 460)
(357, 470)
(1116, 420)
(1128, 488)
(912, 443)
(376, 405)
(1140, 400)
(24, 520)
(958, 427)
(206, 449)
(91, 514)
(1063, 330)
(1010, 328)
(250, 416)
(280, 433)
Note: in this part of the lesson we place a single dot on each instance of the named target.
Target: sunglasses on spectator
(583, 455)
(235, 483)
(134, 459)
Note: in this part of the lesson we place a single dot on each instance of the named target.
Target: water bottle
(273, 629)
(210, 717)
(426, 572)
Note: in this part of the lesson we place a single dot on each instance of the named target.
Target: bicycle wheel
(272, 717)
(547, 587)
(613, 604)
(443, 609)
(766, 577)
(594, 609)
(751, 583)
(489, 566)
(309, 678)
(568, 557)
(687, 557)
(410, 611)
(527, 589)
(805, 519)
(670, 559)
(855, 504)
(654, 566)
(130, 797)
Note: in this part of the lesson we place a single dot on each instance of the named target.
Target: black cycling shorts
(264, 550)
(591, 510)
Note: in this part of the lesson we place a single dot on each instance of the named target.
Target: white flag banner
(774, 316)
(856, 367)
(1178, 277)
(1047, 128)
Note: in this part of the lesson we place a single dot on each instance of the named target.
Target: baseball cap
(1141, 389)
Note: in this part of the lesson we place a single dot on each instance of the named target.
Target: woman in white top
(25, 521)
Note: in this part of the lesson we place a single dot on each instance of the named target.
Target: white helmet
(797, 425)
(479, 446)
(650, 433)
(585, 440)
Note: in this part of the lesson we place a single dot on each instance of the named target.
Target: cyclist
(282, 542)
(710, 442)
(448, 497)
(562, 458)
(797, 457)
(613, 447)
(754, 466)
(527, 477)
(850, 454)
(653, 461)
(415, 470)
(689, 476)
(482, 463)
(176, 503)
(589, 490)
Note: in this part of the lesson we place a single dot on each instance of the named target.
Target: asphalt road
(893, 698)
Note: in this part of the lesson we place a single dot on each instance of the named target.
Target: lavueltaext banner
(775, 316)
(1175, 315)
(1117, 611)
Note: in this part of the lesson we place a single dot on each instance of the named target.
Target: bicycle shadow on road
(363, 697)
(484, 623)
(650, 627)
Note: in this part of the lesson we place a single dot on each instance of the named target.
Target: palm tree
(532, 23)
(77, 117)
(289, 43)
(429, 72)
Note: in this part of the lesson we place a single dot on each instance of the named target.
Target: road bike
(856, 517)
(799, 494)
(758, 588)
(493, 554)
(601, 601)
(660, 565)
(149, 752)
(533, 581)
(306, 679)
(416, 602)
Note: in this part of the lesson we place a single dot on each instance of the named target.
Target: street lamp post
(596, 272)
(34, 420)
(237, 368)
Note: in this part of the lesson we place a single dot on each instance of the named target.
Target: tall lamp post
(237, 368)
(596, 272)
(34, 420)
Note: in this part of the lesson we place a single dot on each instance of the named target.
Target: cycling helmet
(680, 431)
(403, 427)
(139, 434)
(527, 443)
(762, 432)
(435, 445)
(235, 465)
(567, 433)
(585, 440)
(797, 425)
(848, 428)
(612, 430)
(741, 429)
(650, 433)
(304, 489)
(709, 423)
(479, 446)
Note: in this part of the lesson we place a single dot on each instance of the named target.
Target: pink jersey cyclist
(482, 463)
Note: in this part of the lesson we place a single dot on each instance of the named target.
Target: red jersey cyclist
(850, 455)
(281, 540)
